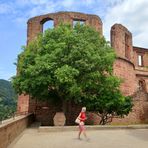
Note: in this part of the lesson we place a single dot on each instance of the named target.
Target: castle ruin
(131, 65)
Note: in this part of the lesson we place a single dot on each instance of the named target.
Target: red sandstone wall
(124, 67)
(145, 58)
(146, 81)
(141, 71)
(23, 104)
(135, 58)
(125, 70)
(139, 112)
(143, 52)
(119, 43)
(35, 25)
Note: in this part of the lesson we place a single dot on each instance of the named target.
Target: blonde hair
(83, 109)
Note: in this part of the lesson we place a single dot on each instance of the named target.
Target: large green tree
(68, 63)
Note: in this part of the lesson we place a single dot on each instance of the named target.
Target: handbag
(77, 120)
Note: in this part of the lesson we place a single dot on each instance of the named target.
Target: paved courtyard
(119, 138)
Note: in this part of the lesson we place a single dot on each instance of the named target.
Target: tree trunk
(104, 119)
(64, 106)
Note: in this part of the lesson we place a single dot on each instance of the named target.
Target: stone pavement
(108, 138)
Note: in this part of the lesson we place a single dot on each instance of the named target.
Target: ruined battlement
(35, 24)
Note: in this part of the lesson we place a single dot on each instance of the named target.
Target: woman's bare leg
(79, 134)
(84, 133)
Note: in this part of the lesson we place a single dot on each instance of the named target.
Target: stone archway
(50, 23)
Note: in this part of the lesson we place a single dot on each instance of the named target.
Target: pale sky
(14, 15)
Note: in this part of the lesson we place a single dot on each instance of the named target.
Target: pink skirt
(82, 127)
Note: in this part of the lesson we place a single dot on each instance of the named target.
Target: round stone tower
(121, 41)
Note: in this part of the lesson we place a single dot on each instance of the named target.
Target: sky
(14, 15)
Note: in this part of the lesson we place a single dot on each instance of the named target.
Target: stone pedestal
(59, 119)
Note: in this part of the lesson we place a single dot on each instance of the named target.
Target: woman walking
(82, 118)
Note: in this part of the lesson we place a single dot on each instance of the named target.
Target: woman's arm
(79, 117)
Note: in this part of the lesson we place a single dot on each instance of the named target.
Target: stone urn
(59, 119)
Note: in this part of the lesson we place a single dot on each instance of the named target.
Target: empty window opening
(140, 60)
(48, 25)
(81, 22)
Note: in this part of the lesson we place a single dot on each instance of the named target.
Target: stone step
(96, 127)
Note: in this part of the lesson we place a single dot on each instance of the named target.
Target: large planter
(59, 119)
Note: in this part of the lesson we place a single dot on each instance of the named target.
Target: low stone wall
(9, 131)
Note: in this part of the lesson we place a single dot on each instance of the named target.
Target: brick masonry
(135, 78)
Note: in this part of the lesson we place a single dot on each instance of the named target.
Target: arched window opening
(48, 25)
(81, 22)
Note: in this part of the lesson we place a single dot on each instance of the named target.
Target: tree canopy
(68, 63)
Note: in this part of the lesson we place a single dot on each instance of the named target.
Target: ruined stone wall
(144, 53)
(145, 58)
(125, 70)
(134, 77)
(121, 41)
(35, 25)
(139, 110)
(141, 71)
(23, 104)
(123, 66)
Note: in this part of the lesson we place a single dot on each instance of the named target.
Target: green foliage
(69, 63)
(7, 99)
(108, 102)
